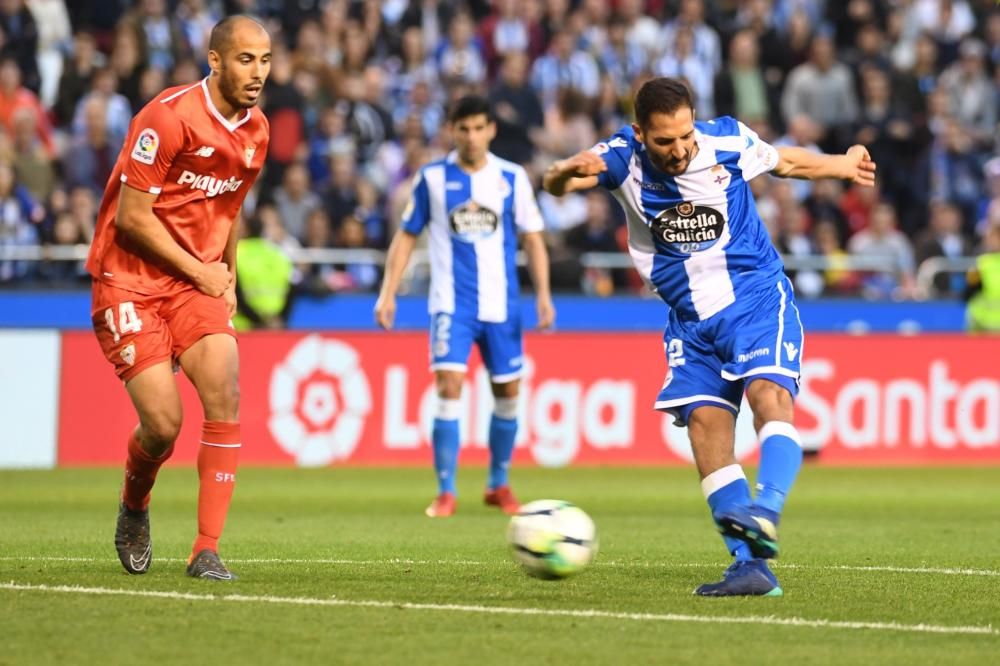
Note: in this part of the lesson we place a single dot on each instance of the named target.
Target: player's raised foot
(206, 564)
(503, 498)
(132, 540)
(442, 506)
(754, 525)
(747, 578)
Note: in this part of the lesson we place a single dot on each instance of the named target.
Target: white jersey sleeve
(757, 155)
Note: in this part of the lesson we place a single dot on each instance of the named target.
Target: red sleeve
(155, 137)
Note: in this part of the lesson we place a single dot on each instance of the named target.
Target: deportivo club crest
(688, 228)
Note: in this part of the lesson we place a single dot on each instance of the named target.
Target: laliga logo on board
(319, 399)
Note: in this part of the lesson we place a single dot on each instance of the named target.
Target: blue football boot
(743, 578)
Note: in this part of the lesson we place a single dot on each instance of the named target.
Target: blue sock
(444, 436)
(780, 459)
(503, 432)
(725, 488)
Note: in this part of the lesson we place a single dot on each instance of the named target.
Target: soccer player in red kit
(164, 264)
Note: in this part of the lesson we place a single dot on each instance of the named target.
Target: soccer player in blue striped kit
(697, 240)
(474, 205)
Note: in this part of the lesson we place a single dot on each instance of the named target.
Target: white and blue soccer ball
(552, 538)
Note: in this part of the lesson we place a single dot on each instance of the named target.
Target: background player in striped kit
(474, 205)
(697, 240)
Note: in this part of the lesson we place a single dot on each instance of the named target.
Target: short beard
(229, 93)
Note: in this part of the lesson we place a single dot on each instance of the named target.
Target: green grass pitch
(340, 566)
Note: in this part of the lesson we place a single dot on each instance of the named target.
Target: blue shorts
(499, 344)
(709, 362)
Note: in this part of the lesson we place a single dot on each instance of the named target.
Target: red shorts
(136, 331)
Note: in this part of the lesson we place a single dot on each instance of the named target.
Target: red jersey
(200, 166)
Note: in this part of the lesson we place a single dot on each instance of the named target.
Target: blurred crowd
(359, 90)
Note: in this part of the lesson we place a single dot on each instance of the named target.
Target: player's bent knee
(161, 429)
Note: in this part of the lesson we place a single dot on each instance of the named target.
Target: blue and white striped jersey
(474, 220)
(696, 238)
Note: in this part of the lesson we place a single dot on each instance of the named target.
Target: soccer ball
(552, 538)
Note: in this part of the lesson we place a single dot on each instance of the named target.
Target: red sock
(140, 474)
(217, 458)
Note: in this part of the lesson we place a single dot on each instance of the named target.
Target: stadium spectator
(983, 311)
(705, 46)
(972, 92)
(641, 30)
(20, 40)
(128, 64)
(410, 67)
(459, 57)
(680, 60)
(77, 72)
(943, 238)
(117, 109)
(881, 241)
(92, 154)
(803, 133)
(20, 219)
(31, 162)
(621, 59)
(54, 34)
(295, 201)
(838, 279)
(14, 97)
(161, 35)
(508, 30)
(520, 118)
(823, 89)
(596, 234)
(740, 88)
(564, 66)
(264, 275)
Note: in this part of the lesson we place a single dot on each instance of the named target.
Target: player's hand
(584, 163)
(546, 313)
(385, 311)
(213, 279)
(229, 298)
(861, 168)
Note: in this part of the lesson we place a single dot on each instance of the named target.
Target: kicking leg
(711, 430)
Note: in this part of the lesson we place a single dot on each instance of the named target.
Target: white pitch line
(609, 563)
(771, 620)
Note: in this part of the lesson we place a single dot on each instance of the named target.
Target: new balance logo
(791, 351)
(205, 151)
(211, 186)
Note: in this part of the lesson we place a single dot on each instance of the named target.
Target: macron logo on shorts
(211, 186)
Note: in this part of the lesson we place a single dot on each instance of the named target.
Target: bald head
(224, 33)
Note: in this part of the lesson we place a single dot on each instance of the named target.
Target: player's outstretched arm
(855, 165)
(136, 221)
(395, 264)
(572, 174)
(538, 265)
